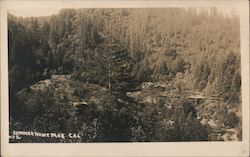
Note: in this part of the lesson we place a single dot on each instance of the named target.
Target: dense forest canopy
(198, 51)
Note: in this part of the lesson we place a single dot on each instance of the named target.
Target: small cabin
(78, 104)
(147, 85)
(160, 87)
(60, 77)
(214, 99)
(198, 99)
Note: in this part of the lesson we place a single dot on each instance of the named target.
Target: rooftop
(196, 97)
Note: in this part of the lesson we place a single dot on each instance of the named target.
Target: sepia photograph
(111, 75)
(125, 75)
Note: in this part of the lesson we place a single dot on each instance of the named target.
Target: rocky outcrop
(64, 90)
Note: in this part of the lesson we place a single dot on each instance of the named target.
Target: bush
(232, 120)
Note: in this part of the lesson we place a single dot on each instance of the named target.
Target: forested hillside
(119, 49)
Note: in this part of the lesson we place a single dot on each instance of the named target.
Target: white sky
(33, 12)
(48, 12)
